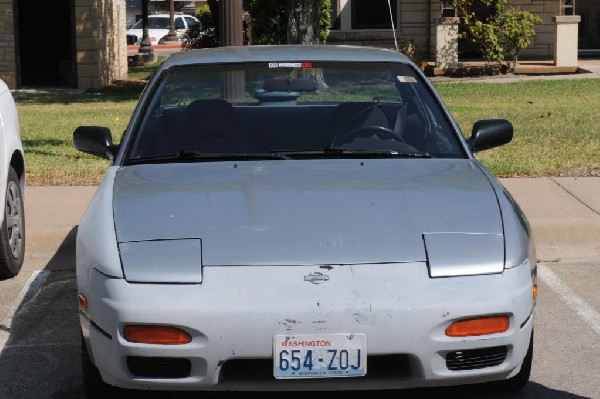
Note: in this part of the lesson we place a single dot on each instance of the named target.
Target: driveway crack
(574, 196)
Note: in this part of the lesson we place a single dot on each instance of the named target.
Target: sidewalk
(564, 213)
(531, 70)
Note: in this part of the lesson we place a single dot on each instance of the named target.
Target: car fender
(96, 247)
(517, 230)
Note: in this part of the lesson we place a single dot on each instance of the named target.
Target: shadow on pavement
(531, 391)
(42, 358)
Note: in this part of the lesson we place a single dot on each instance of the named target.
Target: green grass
(47, 124)
(557, 126)
(143, 72)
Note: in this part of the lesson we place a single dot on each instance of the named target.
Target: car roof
(274, 53)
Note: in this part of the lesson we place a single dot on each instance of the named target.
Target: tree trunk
(303, 21)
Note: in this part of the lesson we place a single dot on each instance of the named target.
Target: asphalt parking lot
(39, 333)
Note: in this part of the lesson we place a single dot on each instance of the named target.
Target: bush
(325, 22)
(269, 21)
(204, 34)
(517, 28)
(504, 33)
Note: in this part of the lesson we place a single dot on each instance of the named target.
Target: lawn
(557, 126)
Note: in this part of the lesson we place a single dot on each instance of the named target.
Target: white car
(300, 218)
(12, 187)
(158, 28)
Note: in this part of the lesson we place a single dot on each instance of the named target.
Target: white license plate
(320, 356)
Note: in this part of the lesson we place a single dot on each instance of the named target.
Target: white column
(565, 40)
(446, 42)
(345, 15)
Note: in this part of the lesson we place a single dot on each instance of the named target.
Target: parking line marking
(29, 291)
(585, 311)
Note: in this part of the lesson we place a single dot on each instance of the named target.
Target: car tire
(93, 384)
(12, 232)
(518, 381)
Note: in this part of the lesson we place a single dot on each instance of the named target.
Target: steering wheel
(364, 131)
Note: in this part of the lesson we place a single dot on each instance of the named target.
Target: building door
(589, 27)
(45, 39)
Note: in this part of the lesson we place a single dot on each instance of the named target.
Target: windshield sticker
(290, 64)
(406, 79)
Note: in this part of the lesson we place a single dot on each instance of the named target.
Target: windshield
(292, 110)
(153, 23)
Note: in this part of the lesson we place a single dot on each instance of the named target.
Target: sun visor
(464, 254)
(162, 261)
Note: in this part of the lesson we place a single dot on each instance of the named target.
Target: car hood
(305, 212)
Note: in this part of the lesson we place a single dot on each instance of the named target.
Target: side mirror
(490, 133)
(95, 140)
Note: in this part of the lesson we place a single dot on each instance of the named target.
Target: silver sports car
(300, 218)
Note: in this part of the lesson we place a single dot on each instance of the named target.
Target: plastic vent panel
(474, 359)
(159, 367)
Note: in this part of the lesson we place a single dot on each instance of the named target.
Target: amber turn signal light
(535, 292)
(160, 335)
(478, 326)
(83, 303)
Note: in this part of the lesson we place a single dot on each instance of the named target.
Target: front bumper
(235, 313)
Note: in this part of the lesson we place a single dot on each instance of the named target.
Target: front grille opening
(378, 367)
(474, 359)
(159, 367)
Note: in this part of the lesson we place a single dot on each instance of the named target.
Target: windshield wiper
(338, 152)
(191, 156)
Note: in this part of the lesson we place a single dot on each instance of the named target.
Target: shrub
(269, 21)
(204, 34)
(505, 32)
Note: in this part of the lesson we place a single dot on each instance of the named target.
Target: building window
(448, 9)
(373, 14)
(567, 7)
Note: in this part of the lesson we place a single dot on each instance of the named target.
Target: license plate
(320, 356)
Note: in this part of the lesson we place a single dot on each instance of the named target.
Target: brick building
(367, 22)
(62, 43)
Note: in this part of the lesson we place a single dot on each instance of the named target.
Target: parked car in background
(158, 28)
(12, 188)
(300, 218)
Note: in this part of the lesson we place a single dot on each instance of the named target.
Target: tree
(290, 21)
(304, 21)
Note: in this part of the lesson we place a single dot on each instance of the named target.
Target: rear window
(153, 23)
